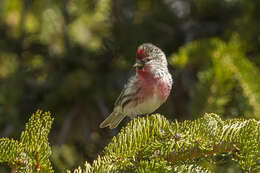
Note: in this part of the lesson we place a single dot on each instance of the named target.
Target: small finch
(147, 90)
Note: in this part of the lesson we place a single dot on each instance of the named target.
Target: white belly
(148, 106)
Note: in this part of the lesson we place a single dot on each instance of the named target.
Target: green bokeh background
(72, 57)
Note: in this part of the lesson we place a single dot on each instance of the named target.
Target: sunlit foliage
(153, 144)
(72, 57)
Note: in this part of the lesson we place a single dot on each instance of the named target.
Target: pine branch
(32, 152)
(153, 144)
(244, 70)
(147, 144)
(195, 152)
(223, 68)
(9, 150)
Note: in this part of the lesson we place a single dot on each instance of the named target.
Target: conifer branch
(153, 144)
(31, 153)
(196, 152)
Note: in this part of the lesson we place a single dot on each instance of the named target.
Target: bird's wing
(130, 90)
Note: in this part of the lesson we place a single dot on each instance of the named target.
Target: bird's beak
(139, 64)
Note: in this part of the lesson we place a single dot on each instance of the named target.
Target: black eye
(148, 59)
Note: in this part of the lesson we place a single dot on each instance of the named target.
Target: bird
(146, 90)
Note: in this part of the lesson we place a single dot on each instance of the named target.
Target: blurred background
(72, 57)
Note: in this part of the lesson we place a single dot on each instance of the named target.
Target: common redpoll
(147, 90)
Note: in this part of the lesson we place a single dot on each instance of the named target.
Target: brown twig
(14, 169)
(38, 166)
(196, 152)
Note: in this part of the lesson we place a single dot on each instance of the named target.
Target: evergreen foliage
(227, 80)
(153, 144)
(74, 56)
(147, 144)
(31, 153)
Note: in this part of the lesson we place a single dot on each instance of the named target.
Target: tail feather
(112, 120)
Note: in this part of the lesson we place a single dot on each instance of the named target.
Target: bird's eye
(148, 59)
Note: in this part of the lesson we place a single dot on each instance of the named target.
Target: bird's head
(149, 56)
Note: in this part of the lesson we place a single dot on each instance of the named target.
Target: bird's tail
(112, 120)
